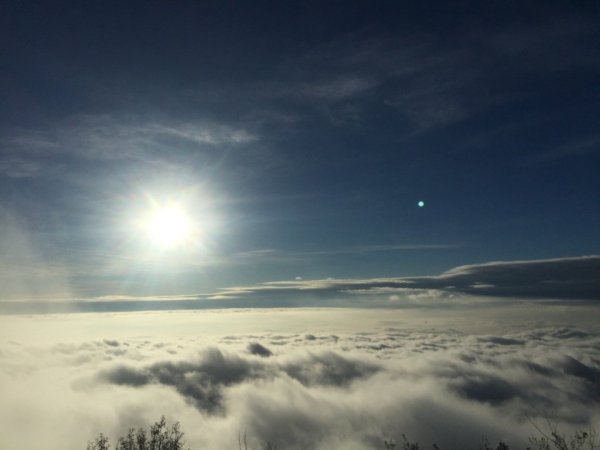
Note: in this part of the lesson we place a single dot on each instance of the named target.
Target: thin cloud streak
(113, 137)
(557, 279)
(560, 279)
(292, 256)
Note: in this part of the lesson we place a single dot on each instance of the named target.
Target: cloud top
(435, 385)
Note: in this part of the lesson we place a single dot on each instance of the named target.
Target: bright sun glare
(168, 226)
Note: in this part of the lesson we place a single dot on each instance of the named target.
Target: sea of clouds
(305, 388)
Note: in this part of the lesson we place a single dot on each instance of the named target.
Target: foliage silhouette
(161, 437)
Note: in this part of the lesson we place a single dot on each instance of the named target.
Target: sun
(168, 226)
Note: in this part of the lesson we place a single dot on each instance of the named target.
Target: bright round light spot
(168, 226)
(421, 204)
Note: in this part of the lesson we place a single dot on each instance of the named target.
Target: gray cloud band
(561, 279)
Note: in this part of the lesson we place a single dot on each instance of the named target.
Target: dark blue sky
(298, 136)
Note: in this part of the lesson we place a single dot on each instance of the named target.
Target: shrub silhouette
(579, 441)
(161, 437)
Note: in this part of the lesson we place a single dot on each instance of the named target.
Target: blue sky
(298, 138)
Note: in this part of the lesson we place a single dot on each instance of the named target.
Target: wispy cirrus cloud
(410, 73)
(434, 83)
(294, 256)
(112, 138)
(579, 148)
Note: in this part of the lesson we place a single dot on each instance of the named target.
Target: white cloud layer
(313, 386)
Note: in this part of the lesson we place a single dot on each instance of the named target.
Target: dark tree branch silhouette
(162, 437)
